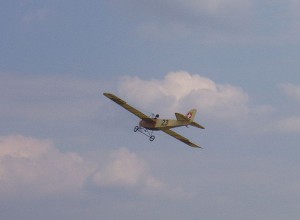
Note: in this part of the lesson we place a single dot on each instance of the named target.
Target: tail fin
(191, 114)
(189, 117)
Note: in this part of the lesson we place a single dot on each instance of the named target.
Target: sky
(68, 152)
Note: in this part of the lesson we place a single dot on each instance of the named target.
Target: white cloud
(181, 91)
(291, 90)
(290, 121)
(33, 167)
(126, 169)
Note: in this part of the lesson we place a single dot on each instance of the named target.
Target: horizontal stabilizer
(197, 125)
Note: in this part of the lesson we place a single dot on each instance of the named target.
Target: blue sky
(67, 152)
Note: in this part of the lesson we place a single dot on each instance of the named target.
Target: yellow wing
(180, 138)
(128, 107)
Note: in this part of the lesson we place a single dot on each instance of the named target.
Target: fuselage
(149, 125)
(159, 124)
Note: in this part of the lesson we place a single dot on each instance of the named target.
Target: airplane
(149, 124)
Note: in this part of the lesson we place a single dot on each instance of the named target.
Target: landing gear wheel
(152, 138)
(136, 128)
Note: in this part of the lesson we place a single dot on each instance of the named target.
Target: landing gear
(151, 138)
(145, 131)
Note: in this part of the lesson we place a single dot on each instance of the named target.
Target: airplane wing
(180, 138)
(128, 107)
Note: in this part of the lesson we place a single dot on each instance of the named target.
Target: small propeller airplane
(149, 124)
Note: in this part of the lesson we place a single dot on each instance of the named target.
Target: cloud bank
(181, 91)
(125, 169)
(33, 167)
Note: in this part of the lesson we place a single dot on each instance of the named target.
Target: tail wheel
(152, 138)
(136, 128)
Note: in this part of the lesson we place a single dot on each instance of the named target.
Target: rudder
(191, 114)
